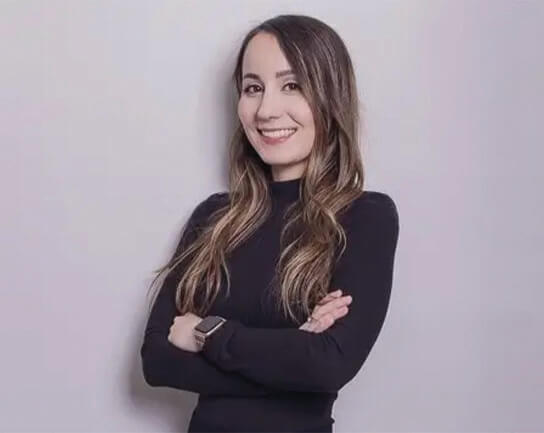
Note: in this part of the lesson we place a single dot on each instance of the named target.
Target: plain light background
(114, 117)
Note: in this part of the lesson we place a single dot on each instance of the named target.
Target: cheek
(303, 114)
(309, 129)
(309, 118)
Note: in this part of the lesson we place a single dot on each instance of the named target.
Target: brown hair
(333, 179)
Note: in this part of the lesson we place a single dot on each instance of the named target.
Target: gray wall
(113, 125)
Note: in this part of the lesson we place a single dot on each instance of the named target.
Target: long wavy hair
(312, 239)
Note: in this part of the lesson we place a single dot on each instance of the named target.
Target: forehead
(263, 56)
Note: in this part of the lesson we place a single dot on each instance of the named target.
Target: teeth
(279, 133)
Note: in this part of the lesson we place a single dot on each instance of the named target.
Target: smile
(278, 133)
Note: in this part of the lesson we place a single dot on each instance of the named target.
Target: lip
(274, 140)
(276, 129)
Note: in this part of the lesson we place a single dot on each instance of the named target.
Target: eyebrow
(279, 74)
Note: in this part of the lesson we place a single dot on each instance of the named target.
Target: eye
(246, 90)
(293, 84)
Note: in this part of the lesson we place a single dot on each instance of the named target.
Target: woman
(229, 321)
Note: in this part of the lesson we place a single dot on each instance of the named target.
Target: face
(274, 114)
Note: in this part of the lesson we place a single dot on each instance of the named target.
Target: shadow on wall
(173, 406)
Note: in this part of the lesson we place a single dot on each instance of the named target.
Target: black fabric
(259, 372)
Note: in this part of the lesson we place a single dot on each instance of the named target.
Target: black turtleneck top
(259, 372)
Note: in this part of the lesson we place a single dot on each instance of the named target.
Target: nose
(270, 106)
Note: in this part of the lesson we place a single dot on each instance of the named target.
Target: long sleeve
(163, 363)
(296, 360)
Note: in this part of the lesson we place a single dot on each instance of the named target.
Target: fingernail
(338, 292)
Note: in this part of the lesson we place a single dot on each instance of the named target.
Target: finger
(331, 306)
(331, 296)
(312, 326)
(334, 309)
(336, 300)
(324, 322)
(309, 326)
(327, 320)
(340, 312)
(320, 325)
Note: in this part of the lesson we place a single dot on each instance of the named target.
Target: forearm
(290, 359)
(296, 360)
(286, 359)
(164, 364)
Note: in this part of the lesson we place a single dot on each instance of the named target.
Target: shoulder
(374, 204)
(373, 212)
(209, 205)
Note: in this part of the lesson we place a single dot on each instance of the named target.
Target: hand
(331, 307)
(182, 332)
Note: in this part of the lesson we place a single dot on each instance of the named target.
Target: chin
(277, 159)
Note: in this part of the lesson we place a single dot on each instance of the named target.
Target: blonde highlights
(312, 238)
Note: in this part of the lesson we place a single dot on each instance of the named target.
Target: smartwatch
(206, 328)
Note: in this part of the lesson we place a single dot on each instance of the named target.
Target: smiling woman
(248, 315)
(273, 110)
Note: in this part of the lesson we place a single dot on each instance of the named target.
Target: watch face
(208, 323)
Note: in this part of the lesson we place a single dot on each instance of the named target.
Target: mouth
(277, 133)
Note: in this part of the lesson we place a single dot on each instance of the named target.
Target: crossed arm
(240, 360)
(295, 360)
(163, 363)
